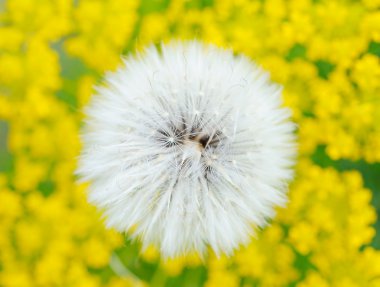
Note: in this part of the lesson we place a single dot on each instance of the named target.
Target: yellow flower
(95, 253)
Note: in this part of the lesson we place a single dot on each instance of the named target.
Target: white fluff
(187, 146)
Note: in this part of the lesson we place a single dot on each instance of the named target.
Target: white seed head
(194, 148)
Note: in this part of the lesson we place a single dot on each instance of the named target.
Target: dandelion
(187, 147)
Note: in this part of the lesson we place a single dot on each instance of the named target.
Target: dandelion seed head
(195, 148)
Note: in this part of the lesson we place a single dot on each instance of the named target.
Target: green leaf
(324, 68)
(6, 159)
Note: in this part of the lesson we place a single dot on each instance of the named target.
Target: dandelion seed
(196, 150)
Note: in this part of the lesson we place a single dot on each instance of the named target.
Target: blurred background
(324, 53)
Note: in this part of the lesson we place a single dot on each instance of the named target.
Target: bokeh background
(324, 53)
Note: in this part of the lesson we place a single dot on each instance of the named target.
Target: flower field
(325, 54)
